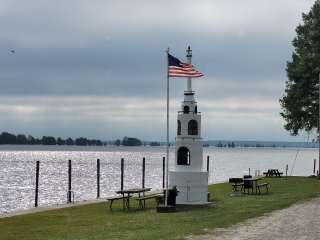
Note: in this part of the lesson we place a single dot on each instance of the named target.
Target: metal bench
(142, 200)
(124, 199)
(266, 185)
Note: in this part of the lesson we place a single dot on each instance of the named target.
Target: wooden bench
(236, 182)
(124, 199)
(142, 200)
(266, 185)
(236, 185)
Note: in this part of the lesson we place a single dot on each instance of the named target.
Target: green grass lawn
(96, 221)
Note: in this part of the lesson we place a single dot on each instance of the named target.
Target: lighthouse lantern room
(189, 174)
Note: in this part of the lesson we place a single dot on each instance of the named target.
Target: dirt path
(300, 222)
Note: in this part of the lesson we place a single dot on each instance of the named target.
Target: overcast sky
(98, 69)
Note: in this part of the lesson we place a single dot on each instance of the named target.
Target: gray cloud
(116, 49)
(100, 70)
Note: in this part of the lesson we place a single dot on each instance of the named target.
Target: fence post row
(37, 184)
(98, 178)
(69, 194)
(69, 182)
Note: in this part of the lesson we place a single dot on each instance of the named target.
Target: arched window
(178, 127)
(186, 109)
(195, 109)
(183, 156)
(192, 127)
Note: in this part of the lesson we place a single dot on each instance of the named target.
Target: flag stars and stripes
(176, 68)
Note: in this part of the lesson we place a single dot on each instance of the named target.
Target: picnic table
(273, 173)
(127, 193)
(252, 183)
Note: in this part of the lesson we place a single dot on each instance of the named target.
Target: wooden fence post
(69, 181)
(37, 184)
(98, 178)
(143, 172)
(122, 169)
(163, 171)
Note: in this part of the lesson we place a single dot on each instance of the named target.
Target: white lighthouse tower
(189, 174)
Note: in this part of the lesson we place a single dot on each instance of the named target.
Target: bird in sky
(12, 51)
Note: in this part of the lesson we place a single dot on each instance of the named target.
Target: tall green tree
(300, 103)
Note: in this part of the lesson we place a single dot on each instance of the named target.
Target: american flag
(176, 68)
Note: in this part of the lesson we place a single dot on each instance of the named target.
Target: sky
(98, 68)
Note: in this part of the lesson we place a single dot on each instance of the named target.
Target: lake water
(18, 164)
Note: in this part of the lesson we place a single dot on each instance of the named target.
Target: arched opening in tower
(186, 109)
(183, 156)
(193, 127)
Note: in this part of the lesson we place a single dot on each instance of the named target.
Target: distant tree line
(155, 144)
(8, 138)
(128, 141)
(246, 145)
(229, 145)
(22, 139)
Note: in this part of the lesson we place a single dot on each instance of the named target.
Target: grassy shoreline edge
(95, 221)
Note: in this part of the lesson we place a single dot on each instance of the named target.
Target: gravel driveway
(300, 221)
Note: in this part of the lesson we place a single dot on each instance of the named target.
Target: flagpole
(319, 128)
(167, 158)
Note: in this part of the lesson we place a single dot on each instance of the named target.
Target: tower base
(192, 187)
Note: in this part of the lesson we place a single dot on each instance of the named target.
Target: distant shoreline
(14, 147)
